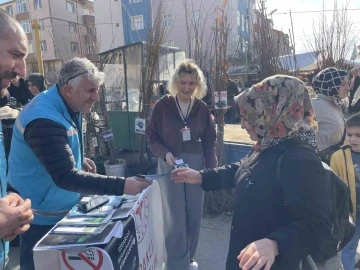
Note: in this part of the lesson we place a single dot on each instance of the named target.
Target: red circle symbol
(85, 259)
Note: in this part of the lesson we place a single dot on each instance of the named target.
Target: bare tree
(269, 44)
(157, 34)
(200, 38)
(333, 37)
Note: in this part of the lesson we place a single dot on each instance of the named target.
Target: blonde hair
(354, 71)
(188, 66)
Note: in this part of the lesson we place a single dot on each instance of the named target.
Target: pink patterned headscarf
(279, 108)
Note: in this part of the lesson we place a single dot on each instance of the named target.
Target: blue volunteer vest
(27, 174)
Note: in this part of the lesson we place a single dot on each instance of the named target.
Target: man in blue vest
(46, 162)
(15, 213)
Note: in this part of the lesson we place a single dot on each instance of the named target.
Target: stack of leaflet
(78, 228)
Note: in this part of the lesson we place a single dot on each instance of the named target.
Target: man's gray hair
(74, 70)
(9, 26)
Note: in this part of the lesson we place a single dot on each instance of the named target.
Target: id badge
(186, 135)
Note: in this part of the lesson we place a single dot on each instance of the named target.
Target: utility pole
(39, 59)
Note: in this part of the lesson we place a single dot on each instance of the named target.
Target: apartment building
(127, 21)
(67, 30)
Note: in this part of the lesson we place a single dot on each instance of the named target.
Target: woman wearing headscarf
(36, 83)
(274, 225)
(331, 86)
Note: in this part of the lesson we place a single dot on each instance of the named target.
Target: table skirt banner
(141, 246)
(147, 214)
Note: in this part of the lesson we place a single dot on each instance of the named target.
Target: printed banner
(90, 259)
(108, 135)
(150, 238)
(220, 99)
(140, 125)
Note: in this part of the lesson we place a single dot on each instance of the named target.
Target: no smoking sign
(90, 259)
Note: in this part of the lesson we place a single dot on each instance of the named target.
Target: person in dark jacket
(19, 91)
(36, 83)
(231, 91)
(354, 85)
(275, 225)
(46, 161)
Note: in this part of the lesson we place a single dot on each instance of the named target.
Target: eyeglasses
(89, 72)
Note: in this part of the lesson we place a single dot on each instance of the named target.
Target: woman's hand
(170, 158)
(258, 254)
(186, 175)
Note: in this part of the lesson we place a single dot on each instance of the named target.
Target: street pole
(39, 59)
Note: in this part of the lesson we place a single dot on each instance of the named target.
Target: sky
(303, 22)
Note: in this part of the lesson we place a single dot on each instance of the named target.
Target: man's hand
(258, 254)
(186, 175)
(134, 185)
(170, 158)
(89, 165)
(15, 216)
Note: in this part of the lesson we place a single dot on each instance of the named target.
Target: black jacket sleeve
(306, 195)
(48, 140)
(4, 97)
(219, 178)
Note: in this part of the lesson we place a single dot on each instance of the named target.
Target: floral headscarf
(328, 82)
(279, 108)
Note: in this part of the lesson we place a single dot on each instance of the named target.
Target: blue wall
(129, 10)
(243, 8)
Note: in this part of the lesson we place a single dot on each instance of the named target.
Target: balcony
(90, 39)
(88, 19)
(22, 16)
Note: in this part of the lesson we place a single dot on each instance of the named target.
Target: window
(243, 22)
(43, 46)
(170, 43)
(134, 1)
(90, 48)
(21, 6)
(70, 7)
(50, 65)
(195, 16)
(168, 21)
(239, 18)
(89, 31)
(31, 47)
(37, 4)
(72, 28)
(86, 11)
(9, 10)
(26, 26)
(74, 47)
(137, 22)
(41, 24)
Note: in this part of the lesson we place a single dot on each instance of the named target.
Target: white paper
(140, 125)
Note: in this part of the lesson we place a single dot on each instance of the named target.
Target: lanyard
(187, 113)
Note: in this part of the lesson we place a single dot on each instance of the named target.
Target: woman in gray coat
(331, 86)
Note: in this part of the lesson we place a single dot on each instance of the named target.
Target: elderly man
(46, 162)
(15, 213)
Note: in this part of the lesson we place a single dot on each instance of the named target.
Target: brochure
(78, 229)
(114, 201)
(85, 221)
(62, 241)
(102, 211)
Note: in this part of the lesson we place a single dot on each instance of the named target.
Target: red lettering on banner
(147, 258)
